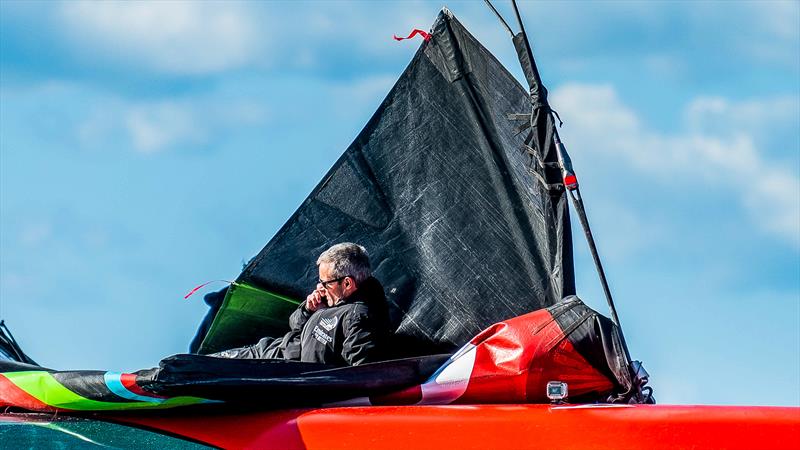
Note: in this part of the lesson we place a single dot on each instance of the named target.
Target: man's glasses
(326, 283)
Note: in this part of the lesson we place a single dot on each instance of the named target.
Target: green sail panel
(247, 311)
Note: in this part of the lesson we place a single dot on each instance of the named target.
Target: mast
(541, 111)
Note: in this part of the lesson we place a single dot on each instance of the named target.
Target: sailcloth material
(462, 229)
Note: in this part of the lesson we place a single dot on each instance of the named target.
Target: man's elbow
(363, 355)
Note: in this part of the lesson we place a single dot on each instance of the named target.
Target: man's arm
(300, 316)
(361, 341)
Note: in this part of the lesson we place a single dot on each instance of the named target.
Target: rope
(500, 17)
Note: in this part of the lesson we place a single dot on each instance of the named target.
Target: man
(344, 321)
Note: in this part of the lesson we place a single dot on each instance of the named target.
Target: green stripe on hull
(44, 387)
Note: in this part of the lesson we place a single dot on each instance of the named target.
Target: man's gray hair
(347, 260)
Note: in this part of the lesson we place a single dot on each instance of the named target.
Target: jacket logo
(329, 323)
(321, 337)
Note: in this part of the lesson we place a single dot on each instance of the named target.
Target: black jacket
(350, 333)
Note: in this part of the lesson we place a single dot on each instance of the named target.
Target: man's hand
(316, 300)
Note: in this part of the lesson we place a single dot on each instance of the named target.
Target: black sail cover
(461, 228)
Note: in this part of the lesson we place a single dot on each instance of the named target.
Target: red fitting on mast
(570, 181)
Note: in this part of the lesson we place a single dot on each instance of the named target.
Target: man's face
(334, 291)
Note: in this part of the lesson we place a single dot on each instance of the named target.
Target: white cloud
(775, 203)
(361, 27)
(729, 157)
(717, 115)
(766, 31)
(780, 18)
(146, 127)
(191, 38)
(155, 127)
(175, 37)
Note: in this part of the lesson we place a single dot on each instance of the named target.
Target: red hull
(491, 426)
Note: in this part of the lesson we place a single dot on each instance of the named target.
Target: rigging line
(577, 201)
(8, 338)
(505, 24)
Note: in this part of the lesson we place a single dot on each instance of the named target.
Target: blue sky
(148, 147)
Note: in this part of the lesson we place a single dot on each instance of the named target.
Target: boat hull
(490, 426)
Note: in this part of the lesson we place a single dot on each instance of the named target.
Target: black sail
(460, 223)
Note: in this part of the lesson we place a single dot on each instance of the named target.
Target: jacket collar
(368, 290)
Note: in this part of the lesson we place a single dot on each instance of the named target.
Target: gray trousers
(265, 348)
